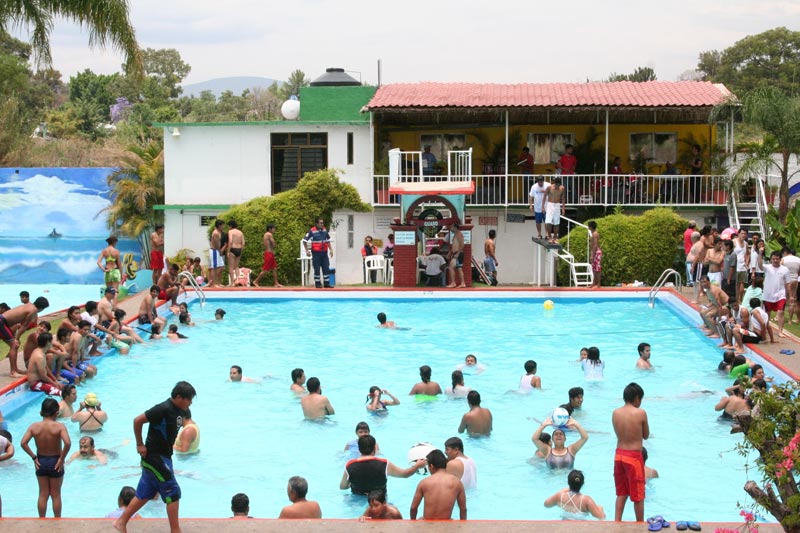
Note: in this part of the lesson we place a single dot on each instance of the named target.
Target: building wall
(223, 164)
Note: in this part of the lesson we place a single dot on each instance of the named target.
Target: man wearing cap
(89, 415)
(536, 202)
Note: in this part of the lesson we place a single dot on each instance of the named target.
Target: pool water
(61, 296)
(253, 436)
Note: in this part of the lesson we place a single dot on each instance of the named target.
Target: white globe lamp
(291, 108)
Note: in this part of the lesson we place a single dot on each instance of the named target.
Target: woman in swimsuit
(112, 274)
(572, 501)
(458, 388)
(374, 401)
(557, 455)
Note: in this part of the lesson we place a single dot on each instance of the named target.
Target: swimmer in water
(298, 382)
(426, 386)
(88, 451)
(383, 323)
(374, 401)
(471, 366)
(236, 375)
(362, 428)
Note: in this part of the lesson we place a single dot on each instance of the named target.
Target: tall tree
(771, 57)
(108, 22)
(778, 115)
(640, 74)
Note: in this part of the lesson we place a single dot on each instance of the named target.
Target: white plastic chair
(374, 263)
(389, 270)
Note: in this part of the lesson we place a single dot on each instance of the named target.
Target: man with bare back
(13, 323)
(554, 205)
(631, 427)
(269, 257)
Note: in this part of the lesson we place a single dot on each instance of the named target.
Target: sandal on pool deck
(656, 523)
(787, 352)
(694, 526)
(681, 525)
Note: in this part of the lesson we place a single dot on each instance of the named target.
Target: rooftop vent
(335, 77)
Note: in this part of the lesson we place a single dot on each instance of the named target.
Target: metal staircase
(749, 215)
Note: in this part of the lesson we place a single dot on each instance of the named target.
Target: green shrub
(637, 247)
(293, 213)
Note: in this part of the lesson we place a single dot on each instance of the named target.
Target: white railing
(762, 206)
(581, 189)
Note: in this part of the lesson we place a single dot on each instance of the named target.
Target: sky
(504, 41)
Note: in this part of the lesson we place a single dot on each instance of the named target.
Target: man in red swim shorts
(631, 427)
(157, 252)
(269, 257)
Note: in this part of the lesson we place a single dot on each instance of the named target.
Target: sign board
(383, 222)
(487, 221)
(404, 238)
(467, 236)
(206, 220)
(515, 217)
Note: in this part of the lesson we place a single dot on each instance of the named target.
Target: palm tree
(778, 115)
(136, 187)
(108, 22)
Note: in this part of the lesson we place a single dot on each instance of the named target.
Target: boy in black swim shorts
(49, 436)
(164, 419)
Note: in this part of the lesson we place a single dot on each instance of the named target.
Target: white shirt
(470, 476)
(754, 266)
(792, 262)
(740, 252)
(89, 318)
(537, 193)
(775, 280)
(434, 264)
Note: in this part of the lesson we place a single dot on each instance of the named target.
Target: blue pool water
(253, 436)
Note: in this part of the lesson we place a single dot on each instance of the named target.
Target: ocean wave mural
(51, 226)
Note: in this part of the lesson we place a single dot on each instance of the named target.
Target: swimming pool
(60, 296)
(254, 436)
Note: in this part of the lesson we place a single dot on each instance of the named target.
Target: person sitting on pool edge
(426, 386)
(565, 498)
(383, 323)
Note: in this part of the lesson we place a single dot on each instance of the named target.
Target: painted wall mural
(51, 227)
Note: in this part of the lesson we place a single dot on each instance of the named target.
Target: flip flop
(654, 523)
(694, 526)
(787, 352)
(681, 525)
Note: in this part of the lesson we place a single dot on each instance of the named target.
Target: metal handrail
(197, 290)
(662, 279)
(588, 236)
(761, 204)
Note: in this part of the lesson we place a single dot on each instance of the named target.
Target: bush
(637, 247)
(318, 194)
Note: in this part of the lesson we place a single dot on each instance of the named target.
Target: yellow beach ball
(548, 305)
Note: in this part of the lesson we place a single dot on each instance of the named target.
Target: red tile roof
(610, 94)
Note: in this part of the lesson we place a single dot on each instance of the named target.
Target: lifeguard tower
(430, 201)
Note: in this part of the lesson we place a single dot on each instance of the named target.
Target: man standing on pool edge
(320, 241)
(631, 427)
(164, 419)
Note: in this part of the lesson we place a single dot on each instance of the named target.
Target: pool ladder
(197, 290)
(662, 280)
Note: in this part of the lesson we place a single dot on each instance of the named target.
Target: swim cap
(91, 399)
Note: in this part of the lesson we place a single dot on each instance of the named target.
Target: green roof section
(259, 123)
(338, 104)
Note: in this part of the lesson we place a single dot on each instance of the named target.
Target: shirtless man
(269, 257)
(315, 405)
(90, 416)
(105, 311)
(68, 396)
(460, 465)
(478, 420)
(298, 382)
(644, 357)
(378, 509)
(714, 259)
(217, 255)
(383, 323)
(426, 386)
(235, 248)
(20, 316)
(40, 378)
(86, 450)
(554, 206)
(735, 403)
(236, 375)
(157, 252)
(52, 446)
(168, 286)
(147, 309)
(441, 491)
(67, 366)
(30, 342)
(717, 300)
(300, 507)
(490, 262)
(455, 264)
(631, 427)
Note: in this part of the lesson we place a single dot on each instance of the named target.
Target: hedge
(318, 194)
(635, 247)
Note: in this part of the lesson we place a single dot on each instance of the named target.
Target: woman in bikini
(109, 263)
(575, 504)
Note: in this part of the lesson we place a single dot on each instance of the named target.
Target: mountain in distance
(235, 84)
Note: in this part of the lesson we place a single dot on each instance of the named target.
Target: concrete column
(405, 258)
